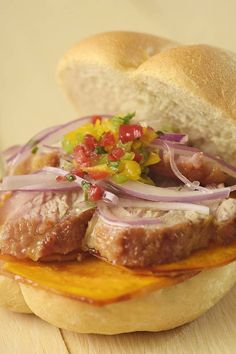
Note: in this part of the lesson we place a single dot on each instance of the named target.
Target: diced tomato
(90, 142)
(60, 178)
(78, 172)
(82, 155)
(95, 193)
(95, 118)
(98, 174)
(116, 154)
(108, 139)
(137, 157)
(130, 132)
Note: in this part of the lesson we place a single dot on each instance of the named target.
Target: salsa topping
(107, 154)
(92, 192)
(111, 148)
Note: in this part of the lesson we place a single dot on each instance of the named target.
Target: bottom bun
(11, 296)
(157, 311)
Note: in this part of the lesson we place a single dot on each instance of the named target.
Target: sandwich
(125, 219)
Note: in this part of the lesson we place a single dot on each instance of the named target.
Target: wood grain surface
(213, 333)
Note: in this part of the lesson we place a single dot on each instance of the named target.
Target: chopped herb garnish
(114, 165)
(100, 150)
(119, 120)
(70, 177)
(125, 146)
(85, 186)
(79, 137)
(159, 132)
(102, 160)
(34, 149)
(128, 117)
(128, 156)
(67, 145)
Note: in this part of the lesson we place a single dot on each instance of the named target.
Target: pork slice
(178, 235)
(35, 162)
(36, 225)
(194, 167)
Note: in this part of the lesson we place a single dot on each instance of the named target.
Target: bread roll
(157, 311)
(190, 88)
(11, 296)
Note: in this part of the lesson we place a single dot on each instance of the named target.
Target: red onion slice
(174, 138)
(137, 203)
(109, 215)
(51, 135)
(50, 187)
(108, 196)
(192, 185)
(21, 181)
(25, 150)
(36, 183)
(9, 153)
(53, 148)
(148, 192)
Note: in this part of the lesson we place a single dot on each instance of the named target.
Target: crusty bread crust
(122, 50)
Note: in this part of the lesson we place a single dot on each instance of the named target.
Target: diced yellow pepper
(152, 159)
(136, 144)
(75, 137)
(132, 170)
(85, 129)
(104, 126)
(148, 136)
(146, 180)
(120, 178)
(99, 168)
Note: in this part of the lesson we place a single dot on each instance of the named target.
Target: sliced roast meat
(176, 237)
(195, 168)
(35, 162)
(41, 224)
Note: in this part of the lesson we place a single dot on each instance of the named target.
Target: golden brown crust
(205, 71)
(122, 50)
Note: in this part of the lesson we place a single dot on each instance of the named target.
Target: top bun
(190, 88)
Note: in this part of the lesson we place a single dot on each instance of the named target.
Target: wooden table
(213, 333)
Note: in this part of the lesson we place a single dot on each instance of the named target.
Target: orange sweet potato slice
(92, 280)
(97, 282)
